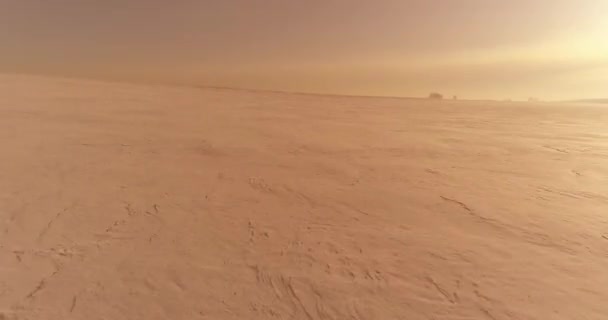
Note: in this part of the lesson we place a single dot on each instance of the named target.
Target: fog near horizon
(470, 48)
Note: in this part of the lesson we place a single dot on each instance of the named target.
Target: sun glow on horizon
(556, 49)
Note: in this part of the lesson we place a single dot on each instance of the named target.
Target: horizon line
(290, 92)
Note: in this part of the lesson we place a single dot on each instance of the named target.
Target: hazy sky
(552, 49)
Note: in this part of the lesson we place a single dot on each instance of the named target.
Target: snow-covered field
(123, 201)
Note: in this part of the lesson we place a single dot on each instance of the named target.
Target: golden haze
(476, 49)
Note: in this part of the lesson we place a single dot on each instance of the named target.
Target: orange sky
(551, 49)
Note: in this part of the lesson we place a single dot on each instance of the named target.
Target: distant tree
(435, 96)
